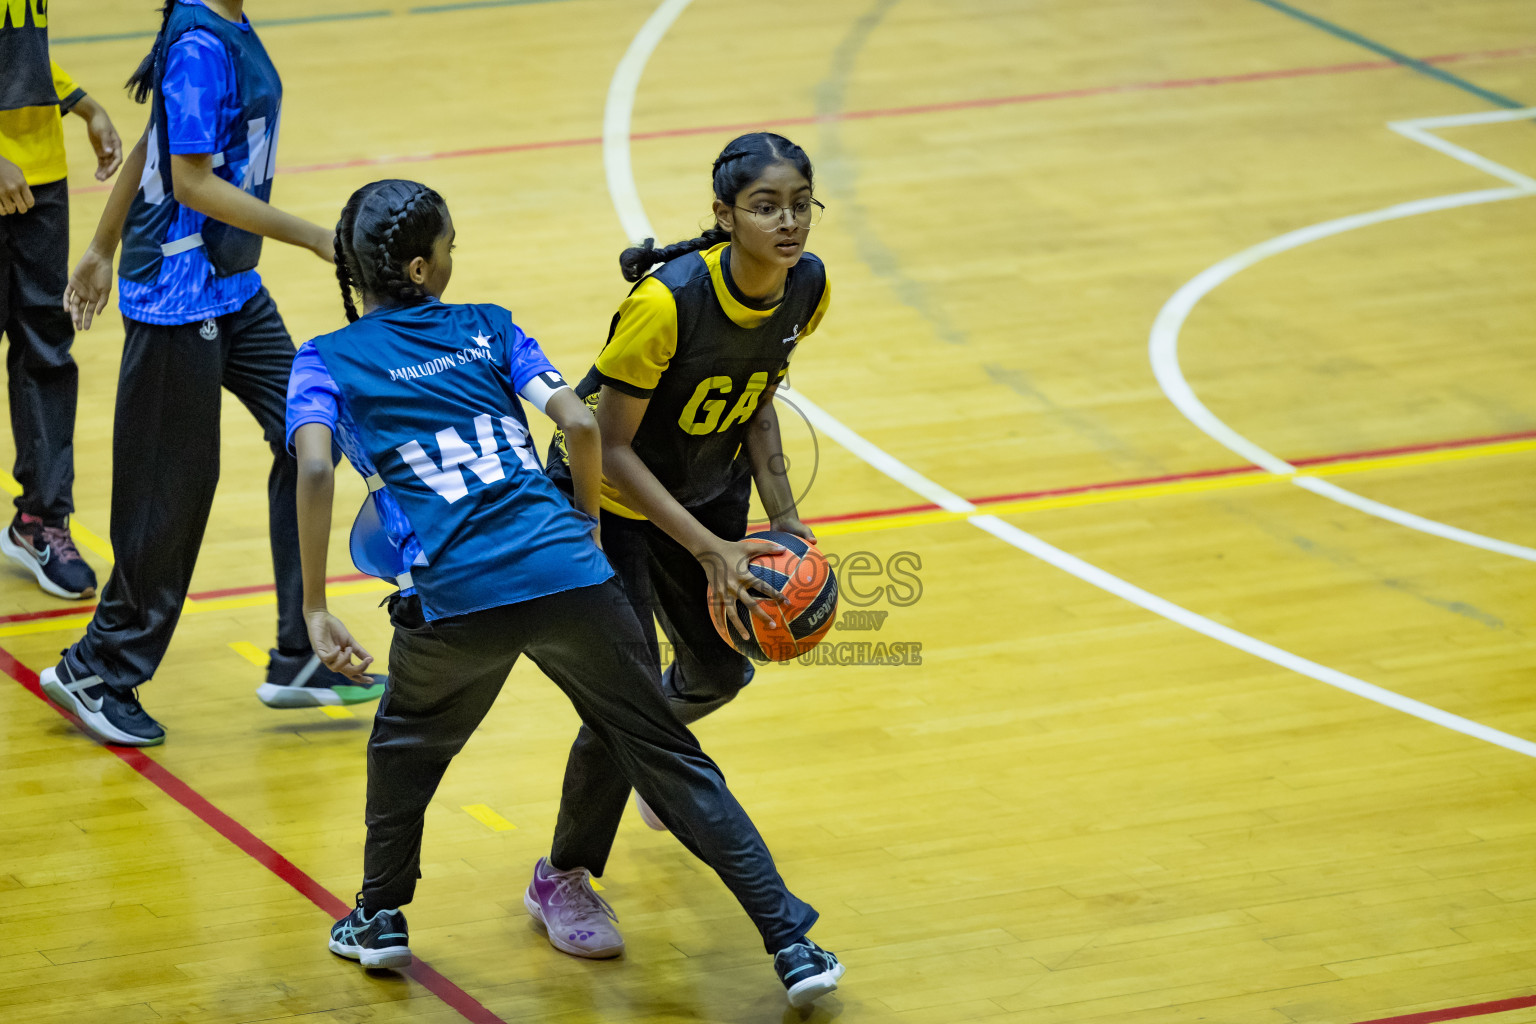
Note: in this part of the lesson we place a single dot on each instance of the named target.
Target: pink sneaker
(578, 920)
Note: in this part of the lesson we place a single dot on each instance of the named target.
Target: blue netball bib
(431, 393)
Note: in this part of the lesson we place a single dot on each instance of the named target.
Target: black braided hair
(739, 164)
(142, 82)
(344, 278)
(384, 226)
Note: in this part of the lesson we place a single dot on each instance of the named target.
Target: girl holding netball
(683, 391)
(493, 562)
(191, 209)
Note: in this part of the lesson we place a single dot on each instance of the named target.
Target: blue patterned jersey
(313, 397)
(216, 93)
(474, 527)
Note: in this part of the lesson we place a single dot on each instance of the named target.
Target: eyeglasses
(768, 216)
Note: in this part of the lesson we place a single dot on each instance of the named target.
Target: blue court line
(463, 5)
(1391, 54)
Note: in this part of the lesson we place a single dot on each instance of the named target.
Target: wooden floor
(1075, 809)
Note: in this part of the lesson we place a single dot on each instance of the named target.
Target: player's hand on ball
(727, 565)
(792, 524)
(334, 645)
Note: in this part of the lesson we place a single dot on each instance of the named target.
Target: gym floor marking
(463, 1003)
(907, 111)
(253, 846)
(314, 19)
(250, 652)
(1163, 342)
(487, 817)
(1197, 482)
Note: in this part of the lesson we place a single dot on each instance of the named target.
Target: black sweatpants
(443, 678)
(44, 382)
(165, 466)
(663, 580)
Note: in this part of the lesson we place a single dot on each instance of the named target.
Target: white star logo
(481, 340)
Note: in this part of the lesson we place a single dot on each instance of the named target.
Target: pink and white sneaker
(578, 920)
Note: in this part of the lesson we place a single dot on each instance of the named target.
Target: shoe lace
(576, 893)
(58, 538)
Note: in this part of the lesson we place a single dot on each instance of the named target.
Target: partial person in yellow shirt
(35, 93)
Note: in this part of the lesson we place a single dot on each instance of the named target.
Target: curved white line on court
(1164, 350)
(617, 113)
(626, 201)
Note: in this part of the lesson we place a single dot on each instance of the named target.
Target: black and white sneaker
(807, 971)
(109, 715)
(300, 681)
(377, 941)
(49, 553)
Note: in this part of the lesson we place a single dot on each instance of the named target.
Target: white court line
(626, 201)
(1163, 345)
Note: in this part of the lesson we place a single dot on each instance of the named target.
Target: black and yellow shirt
(34, 92)
(703, 354)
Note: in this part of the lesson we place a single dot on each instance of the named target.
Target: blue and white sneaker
(807, 971)
(108, 715)
(377, 941)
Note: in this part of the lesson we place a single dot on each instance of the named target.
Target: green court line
(1392, 55)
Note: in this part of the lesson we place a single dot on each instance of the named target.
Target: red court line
(206, 595)
(1433, 446)
(1458, 1012)
(243, 838)
(420, 971)
(993, 499)
(907, 111)
(1117, 485)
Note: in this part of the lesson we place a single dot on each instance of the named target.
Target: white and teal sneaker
(807, 971)
(377, 941)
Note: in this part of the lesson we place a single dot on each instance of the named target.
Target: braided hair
(741, 163)
(383, 227)
(142, 82)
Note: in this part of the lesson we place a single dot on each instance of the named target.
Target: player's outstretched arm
(316, 492)
(196, 186)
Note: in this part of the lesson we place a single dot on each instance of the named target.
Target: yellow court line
(251, 653)
(218, 604)
(84, 537)
(487, 817)
(1103, 496)
(1052, 501)
(332, 711)
(1422, 458)
(1198, 485)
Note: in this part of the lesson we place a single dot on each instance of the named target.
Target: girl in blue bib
(425, 399)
